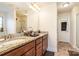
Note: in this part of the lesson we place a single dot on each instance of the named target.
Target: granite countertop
(10, 44)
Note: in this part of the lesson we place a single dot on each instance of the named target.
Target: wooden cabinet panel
(45, 43)
(29, 46)
(45, 37)
(39, 40)
(30, 52)
(39, 52)
(39, 47)
(44, 46)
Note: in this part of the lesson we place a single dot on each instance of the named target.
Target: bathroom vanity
(27, 46)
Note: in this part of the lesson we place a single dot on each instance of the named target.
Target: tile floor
(63, 48)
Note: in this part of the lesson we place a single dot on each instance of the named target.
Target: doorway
(63, 34)
(63, 29)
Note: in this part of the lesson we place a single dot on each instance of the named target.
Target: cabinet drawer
(39, 52)
(21, 50)
(30, 52)
(38, 40)
(29, 46)
(16, 52)
(45, 37)
(39, 49)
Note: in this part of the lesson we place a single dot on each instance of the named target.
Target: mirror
(21, 23)
(2, 28)
(1, 24)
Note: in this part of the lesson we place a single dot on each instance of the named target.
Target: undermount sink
(13, 43)
(9, 43)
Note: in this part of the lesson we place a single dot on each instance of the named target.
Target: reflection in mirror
(1, 24)
(2, 32)
(21, 23)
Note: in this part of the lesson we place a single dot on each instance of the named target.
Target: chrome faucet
(8, 36)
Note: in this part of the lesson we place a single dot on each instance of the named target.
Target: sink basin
(12, 43)
(15, 41)
(9, 43)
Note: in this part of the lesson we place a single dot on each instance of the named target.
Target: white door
(63, 35)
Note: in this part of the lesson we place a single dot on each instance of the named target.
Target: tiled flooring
(63, 49)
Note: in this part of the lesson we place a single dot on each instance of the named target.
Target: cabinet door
(38, 46)
(29, 46)
(39, 52)
(39, 49)
(39, 40)
(45, 43)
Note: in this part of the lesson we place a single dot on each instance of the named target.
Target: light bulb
(66, 4)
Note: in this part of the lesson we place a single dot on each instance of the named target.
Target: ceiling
(22, 7)
(61, 8)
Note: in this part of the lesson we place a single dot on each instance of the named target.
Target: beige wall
(74, 12)
(32, 20)
(47, 22)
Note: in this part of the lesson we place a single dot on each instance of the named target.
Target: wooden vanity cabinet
(41, 45)
(45, 43)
